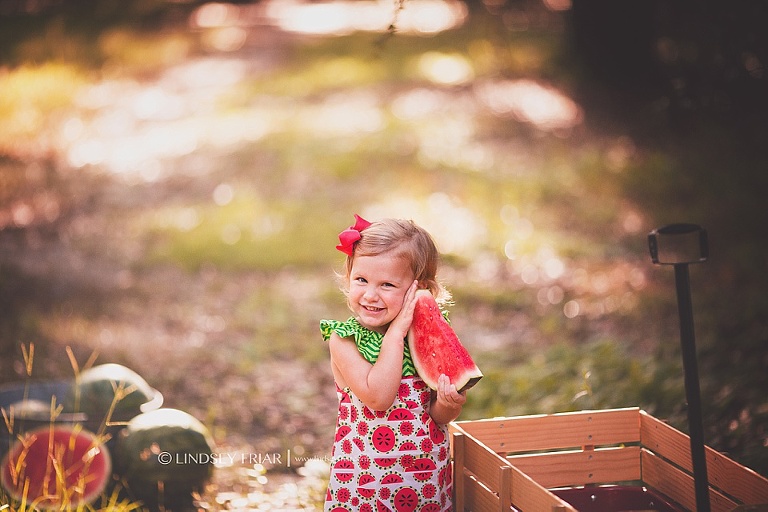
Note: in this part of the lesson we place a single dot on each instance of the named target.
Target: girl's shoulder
(349, 328)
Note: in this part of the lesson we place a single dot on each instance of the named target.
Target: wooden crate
(515, 463)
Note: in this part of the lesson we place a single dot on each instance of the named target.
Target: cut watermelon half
(57, 467)
(436, 349)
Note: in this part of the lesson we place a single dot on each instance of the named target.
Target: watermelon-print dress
(396, 459)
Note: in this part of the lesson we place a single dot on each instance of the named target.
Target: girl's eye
(361, 280)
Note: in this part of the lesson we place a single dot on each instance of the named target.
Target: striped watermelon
(436, 349)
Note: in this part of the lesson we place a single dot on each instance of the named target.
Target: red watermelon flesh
(60, 466)
(436, 349)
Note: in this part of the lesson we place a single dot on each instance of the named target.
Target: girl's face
(377, 287)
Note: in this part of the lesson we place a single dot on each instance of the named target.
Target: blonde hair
(406, 240)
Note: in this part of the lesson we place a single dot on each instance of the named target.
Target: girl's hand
(404, 318)
(447, 394)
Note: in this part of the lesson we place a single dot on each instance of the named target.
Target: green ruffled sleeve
(368, 342)
(343, 329)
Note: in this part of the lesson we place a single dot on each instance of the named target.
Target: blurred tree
(697, 57)
(688, 78)
(22, 21)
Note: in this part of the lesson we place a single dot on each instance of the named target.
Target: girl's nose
(370, 293)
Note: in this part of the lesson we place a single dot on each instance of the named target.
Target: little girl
(391, 447)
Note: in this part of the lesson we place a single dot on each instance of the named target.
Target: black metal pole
(692, 391)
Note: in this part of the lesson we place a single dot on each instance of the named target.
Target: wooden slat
(736, 480)
(454, 428)
(483, 463)
(665, 440)
(529, 496)
(556, 431)
(478, 498)
(457, 455)
(505, 494)
(475, 463)
(561, 469)
(510, 486)
(678, 484)
(723, 473)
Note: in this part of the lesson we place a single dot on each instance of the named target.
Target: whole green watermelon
(95, 389)
(163, 456)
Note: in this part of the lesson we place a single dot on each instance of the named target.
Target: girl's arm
(448, 402)
(375, 384)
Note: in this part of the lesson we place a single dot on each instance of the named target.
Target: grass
(246, 233)
(598, 375)
(58, 487)
(63, 492)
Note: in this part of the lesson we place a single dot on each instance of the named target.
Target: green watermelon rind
(184, 442)
(441, 349)
(94, 392)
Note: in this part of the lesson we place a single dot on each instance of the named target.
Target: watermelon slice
(57, 468)
(436, 349)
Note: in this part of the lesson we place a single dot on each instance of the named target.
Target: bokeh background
(173, 175)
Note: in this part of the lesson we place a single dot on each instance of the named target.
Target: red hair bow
(351, 235)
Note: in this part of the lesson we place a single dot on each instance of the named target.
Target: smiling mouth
(372, 309)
